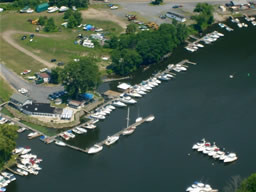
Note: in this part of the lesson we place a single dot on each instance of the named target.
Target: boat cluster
(5, 179)
(239, 24)
(199, 187)
(28, 162)
(112, 139)
(214, 151)
(70, 134)
(222, 25)
(251, 19)
(207, 39)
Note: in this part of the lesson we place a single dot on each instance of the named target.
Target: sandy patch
(101, 14)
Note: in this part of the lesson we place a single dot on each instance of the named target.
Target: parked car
(23, 37)
(176, 6)
(163, 16)
(53, 60)
(31, 36)
(60, 64)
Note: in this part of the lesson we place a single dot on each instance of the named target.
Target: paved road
(38, 93)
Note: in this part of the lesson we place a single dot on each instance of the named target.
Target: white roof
(124, 86)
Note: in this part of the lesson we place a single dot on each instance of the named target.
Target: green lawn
(58, 45)
(5, 91)
(6, 112)
(45, 130)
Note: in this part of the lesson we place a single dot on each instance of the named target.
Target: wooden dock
(15, 172)
(119, 133)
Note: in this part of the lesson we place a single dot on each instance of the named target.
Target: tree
(126, 61)
(113, 42)
(248, 185)
(42, 20)
(205, 18)
(50, 25)
(131, 28)
(67, 14)
(55, 75)
(78, 17)
(8, 135)
(71, 22)
(79, 77)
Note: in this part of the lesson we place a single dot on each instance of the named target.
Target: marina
(177, 109)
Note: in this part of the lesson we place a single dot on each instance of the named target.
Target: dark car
(23, 37)
(31, 36)
(53, 60)
(176, 6)
(60, 64)
(163, 16)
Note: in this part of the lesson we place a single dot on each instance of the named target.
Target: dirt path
(92, 13)
(7, 36)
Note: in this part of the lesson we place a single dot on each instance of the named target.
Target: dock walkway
(121, 131)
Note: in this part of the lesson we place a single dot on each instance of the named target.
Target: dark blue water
(202, 102)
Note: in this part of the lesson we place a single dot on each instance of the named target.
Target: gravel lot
(152, 13)
(38, 93)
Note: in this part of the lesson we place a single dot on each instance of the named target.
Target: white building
(175, 16)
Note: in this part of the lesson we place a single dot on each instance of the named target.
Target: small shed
(20, 100)
(75, 104)
(42, 7)
(45, 77)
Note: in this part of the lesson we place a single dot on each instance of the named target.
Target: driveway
(38, 93)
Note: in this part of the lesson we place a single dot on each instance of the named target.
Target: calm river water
(202, 102)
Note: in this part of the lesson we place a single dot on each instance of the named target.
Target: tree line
(131, 50)
(8, 135)
(77, 77)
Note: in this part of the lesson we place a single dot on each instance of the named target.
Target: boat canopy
(124, 86)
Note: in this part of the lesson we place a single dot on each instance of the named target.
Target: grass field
(45, 130)
(58, 45)
(5, 91)
(6, 112)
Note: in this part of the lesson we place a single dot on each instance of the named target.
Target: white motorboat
(213, 152)
(26, 150)
(60, 143)
(33, 134)
(129, 131)
(156, 80)
(230, 158)
(22, 129)
(199, 144)
(10, 176)
(25, 173)
(163, 78)
(199, 45)
(221, 25)
(140, 92)
(151, 118)
(128, 100)
(229, 29)
(239, 25)
(138, 119)
(98, 116)
(207, 144)
(119, 104)
(18, 150)
(222, 157)
(110, 107)
(52, 9)
(95, 149)
(29, 156)
(75, 130)
(111, 139)
(134, 94)
(63, 9)
(70, 134)
(82, 129)
(65, 136)
(90, 126)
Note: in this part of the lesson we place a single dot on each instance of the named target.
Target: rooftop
(44, 75)
(19, 98)
(39, 108)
